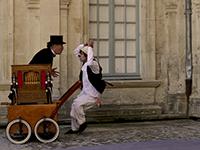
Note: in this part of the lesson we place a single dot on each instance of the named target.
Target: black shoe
(71, 132)
(82, 127)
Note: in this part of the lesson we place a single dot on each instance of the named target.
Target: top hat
(56, 39)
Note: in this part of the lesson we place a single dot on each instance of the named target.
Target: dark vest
(95, 79)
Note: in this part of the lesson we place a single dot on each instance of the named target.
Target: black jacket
(44, 56)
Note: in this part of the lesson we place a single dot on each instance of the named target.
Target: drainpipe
(188, 63)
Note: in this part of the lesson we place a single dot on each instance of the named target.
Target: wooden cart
(32, 110)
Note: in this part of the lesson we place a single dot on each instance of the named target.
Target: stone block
(194, 106)
(177, 104)
(3, 115)
(123, 113)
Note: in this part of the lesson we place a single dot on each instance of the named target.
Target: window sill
(135, 84)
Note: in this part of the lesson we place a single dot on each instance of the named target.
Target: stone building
(139, 43)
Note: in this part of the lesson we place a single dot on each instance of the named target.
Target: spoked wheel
(46, 130)
(18, 131)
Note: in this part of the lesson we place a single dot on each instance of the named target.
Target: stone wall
(170, 54)
(25, 26)
(195, 97)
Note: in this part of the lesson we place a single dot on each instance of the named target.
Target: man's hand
(54, 73)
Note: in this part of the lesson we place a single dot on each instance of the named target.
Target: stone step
(3, 115)
(123, 112)
(108, 113)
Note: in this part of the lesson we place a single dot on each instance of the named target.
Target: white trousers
(82, 103)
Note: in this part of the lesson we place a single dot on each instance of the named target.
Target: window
(115, 31)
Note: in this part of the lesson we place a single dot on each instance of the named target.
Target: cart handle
(65, 97)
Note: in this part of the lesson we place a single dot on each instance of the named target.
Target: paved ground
(154, 135)
(149, 145)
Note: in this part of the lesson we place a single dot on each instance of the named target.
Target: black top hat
(56, 39)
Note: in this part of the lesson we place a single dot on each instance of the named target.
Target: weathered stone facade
(25, 26)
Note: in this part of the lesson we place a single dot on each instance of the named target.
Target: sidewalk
(150, 135)
(151, 145)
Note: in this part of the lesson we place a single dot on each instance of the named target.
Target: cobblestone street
(112, 133)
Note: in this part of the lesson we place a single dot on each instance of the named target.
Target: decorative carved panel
(33, 4)
(198, 9)
(64, 4)
(171, 8)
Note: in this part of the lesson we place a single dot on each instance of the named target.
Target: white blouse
(88, 88)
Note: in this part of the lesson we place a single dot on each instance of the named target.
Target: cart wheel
(46, 130)
(18, 131)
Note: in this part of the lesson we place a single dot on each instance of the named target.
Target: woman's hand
(98, 102)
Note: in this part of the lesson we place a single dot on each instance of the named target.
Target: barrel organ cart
(32, 109)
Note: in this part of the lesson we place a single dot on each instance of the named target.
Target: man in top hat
(92, 87)
(46, 55)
